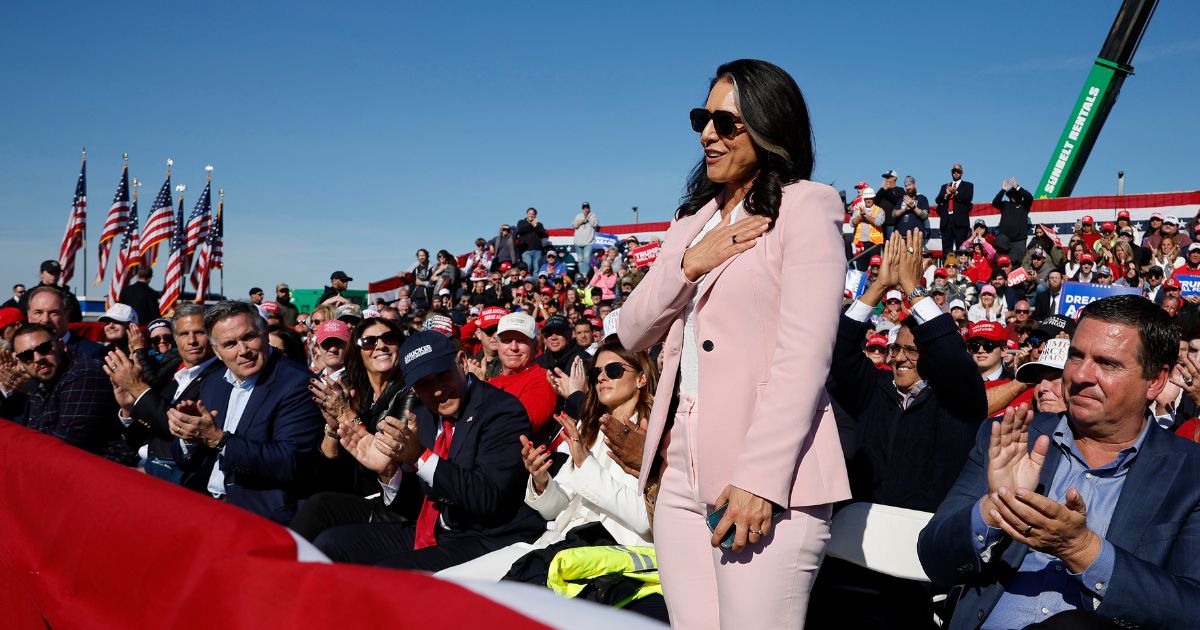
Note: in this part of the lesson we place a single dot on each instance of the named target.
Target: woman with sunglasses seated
(590, 486)
(371, 389)
(745, 296)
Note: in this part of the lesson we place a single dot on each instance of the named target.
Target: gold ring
(755, 531)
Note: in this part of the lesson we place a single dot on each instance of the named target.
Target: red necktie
(427, 521)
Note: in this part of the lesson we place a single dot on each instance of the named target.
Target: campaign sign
(644, 255)
(1076, 295)
(1017, 276)
(604, 240)
(856, 282)
(1189, 284)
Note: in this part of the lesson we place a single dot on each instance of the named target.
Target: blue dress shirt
(1043, 585)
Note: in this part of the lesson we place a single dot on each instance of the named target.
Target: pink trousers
(764, 586)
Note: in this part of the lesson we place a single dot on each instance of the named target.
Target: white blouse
(689, 358)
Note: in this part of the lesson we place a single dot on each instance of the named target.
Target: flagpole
(220, 212)
(85, 273)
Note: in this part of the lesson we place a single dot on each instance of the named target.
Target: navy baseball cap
(426, 353)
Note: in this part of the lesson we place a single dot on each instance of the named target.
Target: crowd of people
(675, 439)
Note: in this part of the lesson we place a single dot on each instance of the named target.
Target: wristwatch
(223, 441)
(917, 292)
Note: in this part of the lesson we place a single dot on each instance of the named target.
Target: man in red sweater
(516, 343)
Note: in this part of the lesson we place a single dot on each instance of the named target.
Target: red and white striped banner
(90, 544)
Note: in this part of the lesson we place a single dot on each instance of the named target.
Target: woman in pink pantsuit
(745, 294)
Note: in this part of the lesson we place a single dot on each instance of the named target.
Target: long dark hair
(776, 116)
(355, 377)
(591, 409)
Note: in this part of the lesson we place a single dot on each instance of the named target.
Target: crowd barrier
(85, 543)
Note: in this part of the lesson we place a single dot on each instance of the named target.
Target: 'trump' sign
(1076, 295)
(1189, 284)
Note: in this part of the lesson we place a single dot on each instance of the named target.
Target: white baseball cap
(894, 295)
(958, 304)
(520, 322)
(611, 321)
(120, 313)
(1053, 357)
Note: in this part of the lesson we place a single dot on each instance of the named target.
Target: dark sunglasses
(986, 346)
(1034, 342)
(613, 371)
(725, 123)
(332, 343)
(955, 170)
(370, 341)
(1023, 311)
(160, 339)
(44, 349)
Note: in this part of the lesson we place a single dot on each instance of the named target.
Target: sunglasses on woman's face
(725, 123)
(160, 340)
(44, 349)
(370, 341)
(613, 371)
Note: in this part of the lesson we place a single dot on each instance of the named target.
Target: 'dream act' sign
(1076, 295)
(1189, 284)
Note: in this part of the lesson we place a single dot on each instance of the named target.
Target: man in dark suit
(462, 446)
(144, 408)
(141, 297)
(1091, 516)
(954, 201)
(1047, 302)
(250, 436)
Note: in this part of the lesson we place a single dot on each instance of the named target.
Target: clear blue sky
(348, 135)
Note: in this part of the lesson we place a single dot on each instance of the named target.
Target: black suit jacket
(481, 485)
(150, 412)
(962, 203)
(143, 300)
(1041, 306)
(86, 348)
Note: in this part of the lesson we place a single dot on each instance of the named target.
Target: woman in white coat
(591, 486)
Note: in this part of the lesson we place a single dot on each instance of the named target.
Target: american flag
(197, 225)
(173, 284)
(159, 224)
(114, 225)
(211, 255)
(73, 240)
(128, 257)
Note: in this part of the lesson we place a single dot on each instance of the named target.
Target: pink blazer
(766, 326)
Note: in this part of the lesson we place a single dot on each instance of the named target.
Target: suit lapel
(1145, 488)
(465, 425)
(262, 387)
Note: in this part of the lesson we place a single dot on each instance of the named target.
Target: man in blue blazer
(249, 437)
(1085, 519)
